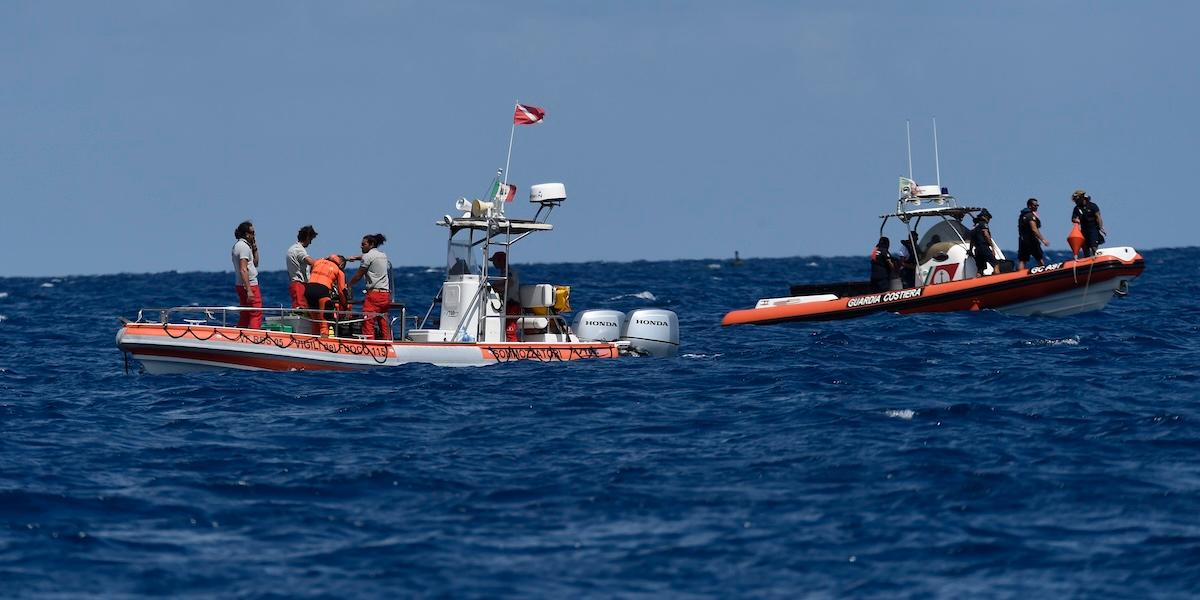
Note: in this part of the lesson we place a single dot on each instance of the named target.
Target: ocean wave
(3, 295)
(904, 413)
(47, 284)
(640, 296)
(1069, 341)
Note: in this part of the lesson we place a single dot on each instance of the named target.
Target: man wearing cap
(1091, 224)
(981, 243)
(1029, 233)
(298, 263)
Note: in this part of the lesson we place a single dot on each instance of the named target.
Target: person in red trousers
(377, 270)
(298, 264)
(245, 275)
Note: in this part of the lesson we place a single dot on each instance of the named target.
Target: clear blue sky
(134, 136)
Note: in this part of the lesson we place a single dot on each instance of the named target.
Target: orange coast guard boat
(468, 329)
(946, 275)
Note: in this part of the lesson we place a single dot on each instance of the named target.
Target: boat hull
(182, 348)
(1058, 289)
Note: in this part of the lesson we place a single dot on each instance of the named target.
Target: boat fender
(1075, 239)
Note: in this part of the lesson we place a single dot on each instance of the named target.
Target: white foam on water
(47, 285)
(3, 318)
(701, 356)
(432, 270)
(813, 264)
(713, 266)
(3, 294)
(639, 295)
(1071, 341)
(906, 414)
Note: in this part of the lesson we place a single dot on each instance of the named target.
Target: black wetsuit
(1089, 224)
(981, 248)
(1028, 245)
(881, 270)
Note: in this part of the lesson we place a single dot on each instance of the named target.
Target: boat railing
(221, 315)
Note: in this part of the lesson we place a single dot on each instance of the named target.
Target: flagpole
(511, 134)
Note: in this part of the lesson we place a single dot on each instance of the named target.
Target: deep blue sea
(936, 455)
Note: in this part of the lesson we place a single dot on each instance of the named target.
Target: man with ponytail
(378, 272)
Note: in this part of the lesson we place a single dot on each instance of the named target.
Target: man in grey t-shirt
(298, 265)
(245, 273)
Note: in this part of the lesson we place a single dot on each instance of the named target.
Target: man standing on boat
(882, 266)
(981, 243)
(298, 264)
(1091, 224)
(510, 293)
(1029, 233)
(245, 269)
(378, 298)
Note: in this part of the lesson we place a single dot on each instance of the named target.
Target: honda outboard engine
(652, 331)
(599, 325)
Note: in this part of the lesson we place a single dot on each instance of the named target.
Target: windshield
(459, 260)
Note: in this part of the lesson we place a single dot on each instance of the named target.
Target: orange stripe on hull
(378, 350)
(547, 352)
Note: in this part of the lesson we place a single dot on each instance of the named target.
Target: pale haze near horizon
(136, 135)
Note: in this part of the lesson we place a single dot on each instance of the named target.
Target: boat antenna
(937, 163)
(908, 136)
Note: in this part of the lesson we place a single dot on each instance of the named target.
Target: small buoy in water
(1075, 239)
(737, 260)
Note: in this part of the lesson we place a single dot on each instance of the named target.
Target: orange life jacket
(326, 272)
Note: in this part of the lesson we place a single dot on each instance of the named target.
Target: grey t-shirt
(297, 267)
(377, 266)
(241, 250)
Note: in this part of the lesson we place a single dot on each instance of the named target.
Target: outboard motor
(599, 325)
(652, 331)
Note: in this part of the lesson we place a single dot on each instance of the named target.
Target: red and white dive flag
(528, 115)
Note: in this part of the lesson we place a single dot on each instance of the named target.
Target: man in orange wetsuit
(326, 276)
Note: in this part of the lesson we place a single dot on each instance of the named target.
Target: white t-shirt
(297, 267)
(377, 266)
(241, 250)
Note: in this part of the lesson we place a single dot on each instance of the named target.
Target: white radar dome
(547, 193)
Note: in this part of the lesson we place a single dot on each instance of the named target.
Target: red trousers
(250, 318)
(510, 324)
(377, 301)
(296, 291)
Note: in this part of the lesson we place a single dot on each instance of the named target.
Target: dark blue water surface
(936, 455)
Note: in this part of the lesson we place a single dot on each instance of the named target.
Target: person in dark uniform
(908, 264)
(1091, 224)
(1029, 233)
(882, 266)
(981, 243)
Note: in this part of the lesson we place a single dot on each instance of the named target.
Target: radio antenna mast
(908, 136)
(937, 163)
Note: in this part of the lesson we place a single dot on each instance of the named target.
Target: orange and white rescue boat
(469, 328)
(946, 276)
